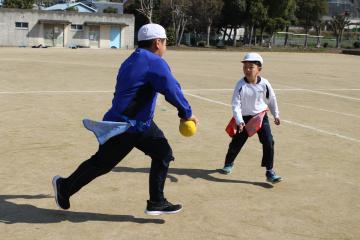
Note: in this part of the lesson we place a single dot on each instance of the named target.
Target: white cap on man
(151, 31)
(253, 57)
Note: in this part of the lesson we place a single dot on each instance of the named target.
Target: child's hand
(241, 127)
(277, 121)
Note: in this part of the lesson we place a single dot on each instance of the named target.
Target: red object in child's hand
(255, 123)
(231, 128)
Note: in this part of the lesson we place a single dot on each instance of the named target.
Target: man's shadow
(25, 213)
(193, 173)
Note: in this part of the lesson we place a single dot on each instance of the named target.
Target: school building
(26, 28)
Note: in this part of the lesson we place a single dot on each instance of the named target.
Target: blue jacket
(140, 78)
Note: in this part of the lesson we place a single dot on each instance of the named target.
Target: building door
(115, 37)
(54, 35)
(48, 35)
(94, 36)
(59, 35)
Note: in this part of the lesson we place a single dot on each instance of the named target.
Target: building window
(76, 27)
(22, 25)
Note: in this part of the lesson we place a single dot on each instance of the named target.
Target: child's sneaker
(227, 169)
(272, 177)
(164, 207)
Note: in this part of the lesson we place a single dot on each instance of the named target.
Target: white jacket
(250, 99)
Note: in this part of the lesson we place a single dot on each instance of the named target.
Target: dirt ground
(45, 93)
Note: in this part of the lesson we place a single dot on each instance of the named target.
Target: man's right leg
(106, 158)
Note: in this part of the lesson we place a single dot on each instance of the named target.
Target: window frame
(23, 25)
(77, 27)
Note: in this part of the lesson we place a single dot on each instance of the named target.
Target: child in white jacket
(252, 95)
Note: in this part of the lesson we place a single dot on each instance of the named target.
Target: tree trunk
(306, 37)
(208, 35)
(174, 26)
(183, 24)
(286, 36)
(178, 30)
(229, 35)
(255, 36)
(246, 35)
(235, 32)
(251, 34)
(225, 30)
(318, 32)
(340, 38)
(271, 40)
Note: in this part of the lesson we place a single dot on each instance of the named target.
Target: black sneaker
(60, 198)
(165, 207)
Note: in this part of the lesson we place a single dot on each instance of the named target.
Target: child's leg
(267, 142)
(235, 146)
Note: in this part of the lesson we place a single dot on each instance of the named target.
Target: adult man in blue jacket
(140, 78)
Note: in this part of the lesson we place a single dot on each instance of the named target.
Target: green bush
(110, 10)
(357, 44)
(72, 9)
(170, 34)
(201, 43)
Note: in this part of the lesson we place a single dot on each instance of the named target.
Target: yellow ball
(187, 128)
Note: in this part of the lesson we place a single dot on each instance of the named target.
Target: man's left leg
(154, 143)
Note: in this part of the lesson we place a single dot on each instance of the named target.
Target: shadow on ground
(25, 213)
(193, 173)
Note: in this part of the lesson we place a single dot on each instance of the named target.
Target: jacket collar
(257, 81)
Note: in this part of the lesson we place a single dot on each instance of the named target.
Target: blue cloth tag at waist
(104, 130)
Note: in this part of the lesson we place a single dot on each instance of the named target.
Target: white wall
(12, 36)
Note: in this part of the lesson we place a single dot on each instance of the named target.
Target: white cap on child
(151, 31)
(253, 57)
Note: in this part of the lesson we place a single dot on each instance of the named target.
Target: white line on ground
(321, 109)
(278, 89)
(287, 121)
(322, 131)
(317, 91)
(51, 92)
(302, 106)
(332, 94)
(188, 90)
(206, 99)
(320, 91)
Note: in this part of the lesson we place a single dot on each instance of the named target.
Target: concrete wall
(34, 34)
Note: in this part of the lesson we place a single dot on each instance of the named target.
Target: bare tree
(206, 12)
(146, 9)
(318, 26)
(338, 24)
(179, 17)
(309, 12)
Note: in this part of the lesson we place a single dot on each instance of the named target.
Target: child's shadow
(193, 173)
(25, 213)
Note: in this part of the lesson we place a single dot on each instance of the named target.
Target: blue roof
(63, 6)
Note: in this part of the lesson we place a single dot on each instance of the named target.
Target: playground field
(45, 93)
